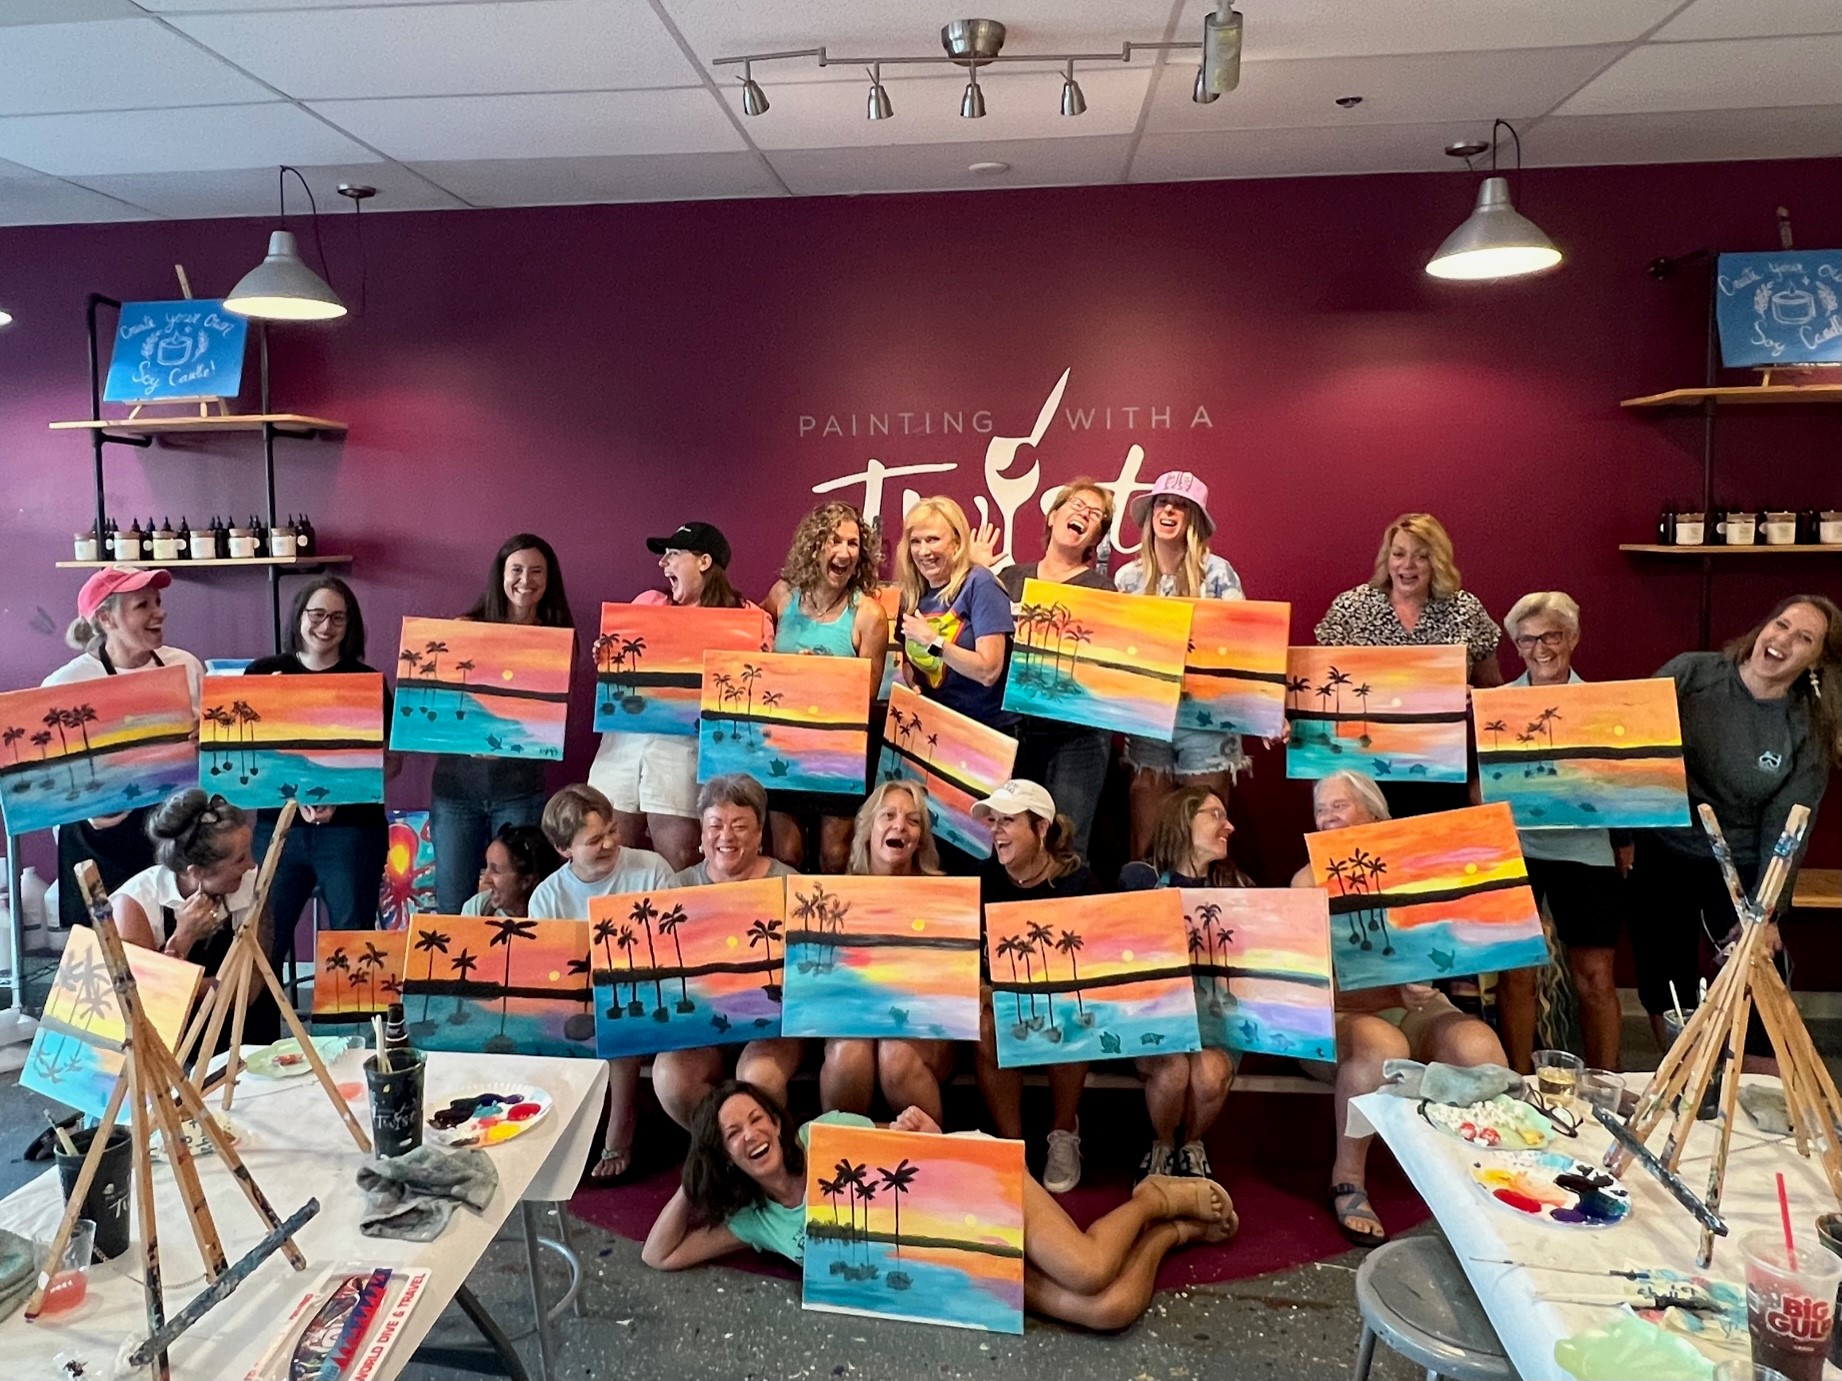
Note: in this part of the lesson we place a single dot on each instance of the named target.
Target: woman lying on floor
(745, 1186)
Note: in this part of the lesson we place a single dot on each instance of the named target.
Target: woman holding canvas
(956, 619)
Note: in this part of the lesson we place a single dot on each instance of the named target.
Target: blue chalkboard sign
(1779, 308)
(173, 352)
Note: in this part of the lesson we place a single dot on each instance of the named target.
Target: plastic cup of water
(69, 1283)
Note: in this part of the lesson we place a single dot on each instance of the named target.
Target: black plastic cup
(108, 1203)
(396, 1102)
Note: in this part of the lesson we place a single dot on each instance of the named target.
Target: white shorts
(647, 774)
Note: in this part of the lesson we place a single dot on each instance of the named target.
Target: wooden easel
(151, 1079)
(1715, 1039)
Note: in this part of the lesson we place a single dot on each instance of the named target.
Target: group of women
(1761, 732)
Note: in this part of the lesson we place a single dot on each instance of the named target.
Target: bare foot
(1189, 1197)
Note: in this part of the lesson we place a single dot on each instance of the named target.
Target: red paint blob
(67, 1290)
(351, 1092)
(523, 1112)
(1520, 1201)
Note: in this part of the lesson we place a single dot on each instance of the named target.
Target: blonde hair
(908, 576)
(569, 809)
(1556, 602)
(1428, 529)
(927, 853)
(88, 635)
(1081, 484)
(1187, 578)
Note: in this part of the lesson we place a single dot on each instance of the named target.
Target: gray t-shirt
(698, 874)
(564, 897)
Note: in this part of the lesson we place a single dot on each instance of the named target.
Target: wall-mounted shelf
(181, 566)
(291, 424)
(1649, 549)
(1749, 394)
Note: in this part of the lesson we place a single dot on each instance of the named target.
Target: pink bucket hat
(1176, 484)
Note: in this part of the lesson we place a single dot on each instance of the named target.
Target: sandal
(1359, 1211)
(614, 1162)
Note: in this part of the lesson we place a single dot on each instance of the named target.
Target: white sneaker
(1062, 1169)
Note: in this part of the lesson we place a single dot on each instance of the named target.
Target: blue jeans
(343, 862)
(1071, 767)
(462, 828)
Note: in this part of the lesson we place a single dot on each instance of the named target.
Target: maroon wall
(601, 373)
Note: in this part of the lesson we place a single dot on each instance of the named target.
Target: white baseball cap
(1015, 797)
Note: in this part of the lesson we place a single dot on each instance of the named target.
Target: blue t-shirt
(979, 610)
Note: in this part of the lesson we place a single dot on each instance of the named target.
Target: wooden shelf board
(176, 566)
(1651, 549)
(204, 426)
(1747, 393)
(1818, 888)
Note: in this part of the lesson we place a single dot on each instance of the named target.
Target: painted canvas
(959, 761)
(927, 1229)
(681, 967)
(1234, 677)
(505, 985)
(883, 957)
(792, 722)
(1260, 963)
(1116, 988)
(408, 886)
(94, 747)
(1432, 896)
(1099, 658)
(1392, 712)
(497, 690)
(76, 1053)
(890, 598)
(649, 662)
(357, 974)
(319, 740)
(1598, 754)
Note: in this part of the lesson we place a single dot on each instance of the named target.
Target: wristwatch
(937, 648)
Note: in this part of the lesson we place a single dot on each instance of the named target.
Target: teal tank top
(797, 632)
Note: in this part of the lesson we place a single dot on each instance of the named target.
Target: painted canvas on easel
(505, 985)
(1108, 978)
(1234, 676)
(93, 748)
(267, 740)
(1396, 713)
(1099, 658)
(1429, 897)
(408, 885)
(1593, 754)
(357, 974)
(926, 1229)
(959, 760)
(497, 690)
(792, 722)
(76, 1053)
(883, 958)
(680, 967)
(649, 662)
(1260, 963)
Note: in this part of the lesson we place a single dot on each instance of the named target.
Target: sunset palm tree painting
(927, 1229)
(880, 958)
(650, 660)
(812, 735)
(718, 981)
(1600, 754)
(487, 689)
(95, 748)
(354, 972)
(1234, 673)
(1261, 969)
(1392, 712)
(959, 760)
(315, 739)
(1124, 980)
(1098, 658)
(518, 985)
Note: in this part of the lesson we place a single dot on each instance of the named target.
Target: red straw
(1784, 1213)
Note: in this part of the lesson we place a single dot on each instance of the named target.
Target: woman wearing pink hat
(1174, 560)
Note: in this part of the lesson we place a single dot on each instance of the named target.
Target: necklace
(818, 615)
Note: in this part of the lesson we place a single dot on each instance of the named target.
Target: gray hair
(1360, 785)
(735, 789)
(87, 635)
(1556, 602)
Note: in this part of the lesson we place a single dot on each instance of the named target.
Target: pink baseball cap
(117, 580)
(1175, 484)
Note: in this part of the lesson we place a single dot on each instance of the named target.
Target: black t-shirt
(289, 664)
(997, 885)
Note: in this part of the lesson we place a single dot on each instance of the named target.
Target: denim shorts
(1190, 753)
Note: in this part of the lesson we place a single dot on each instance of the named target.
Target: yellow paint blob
(554, 975)
(507, 674)
(1131, 651)
(1470, 868)
(1395, 703)
(732, 942)
(1126, 955)
(972, 1220)
(918, 925)
(812, 709)
(1618, 731)
(1221, 651)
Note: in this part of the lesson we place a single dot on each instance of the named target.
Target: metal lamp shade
(1496, 241)
(1073, 102)
(879, 107)
(754, 99)
(283, 288)
(972, 104)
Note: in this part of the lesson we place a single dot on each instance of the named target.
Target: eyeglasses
(1077, 509)
(1214, 813)
(331, 618)
(1552, 639)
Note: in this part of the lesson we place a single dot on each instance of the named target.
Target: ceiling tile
(161, 141)
(1359, 28)
(65, 11)
(47, 201)
(251, 191)
(1728, 74)
(1299, 152)
(1753, 19)
(261, 6)
(112, 64)
(943, 167)
(570, 125)
(579, 181)
(424, 50)
(1691, 136)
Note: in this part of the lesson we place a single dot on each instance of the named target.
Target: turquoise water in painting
(476, 729)
(275, 778)
(828, 996)
(744, 1013)
(1309, 757)
(475, 1025)
(951, 823)
(1097, 1030)
(814, 767)
(1239, 711)
(1271, 1028)
(1430, 951)
(37, 796)
(1575, 793)
(649, 710)
(1131, 709)
(935, 1293)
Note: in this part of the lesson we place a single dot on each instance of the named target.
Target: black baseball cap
(703, 538)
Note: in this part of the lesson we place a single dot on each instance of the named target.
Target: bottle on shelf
(88, 546)
(307, 539)
(260, 534)
(128, 544)
(165, 541)
(1666, 526)
(185, 538)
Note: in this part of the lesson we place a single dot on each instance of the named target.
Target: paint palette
(285, 1059)
(489, 1116)
(1496, 1124)
(1554, 1188)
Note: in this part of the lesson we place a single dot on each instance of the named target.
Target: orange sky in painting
(149, 704)
(1143, 632)
(677, 638)
(1615, 714)
(923, 907)
(1408, 680)
(1453, 848)
(503, 654)
(969, 1188)
(1120, 934)
(968, 750)
(830, 689)
(1248, 635)
(299, 707)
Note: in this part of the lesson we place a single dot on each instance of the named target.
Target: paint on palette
(1553, 1188)
(1116, 987)
(408, 885)
(1396, 713)
(882, 958)
(793, 722)
(319, 740)
(959, 760)
(649, 662)
(488, 689)
(504, 985)
(90, 748)
(76, 1057)
(925, 1229)
(1098, 658)
(1591, 754)
(1234, 676)
(357, 974)
(1260, 963)
(681, 967)
(1429, 897)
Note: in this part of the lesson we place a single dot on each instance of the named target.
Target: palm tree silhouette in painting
(80, 717)
(1194, 938)
(1041, 936)
(1011, 948)
(1338, 872)
(505, 930)
(766, 932)
(898, 1182)
(338, 962)
(363, 969)
(1362, 693)
(725, 692)
(1211, 914)
(811, 909)
(644, 913)
(1496, 729)
(1070, 945)
(631, 651)
(42, 741)
(430, 942)
(11, 739)
(1375, 867)
(1297, 688)
(246, 716)
(463, 965)
(604, 936)
(460, 700)
(219, 718)
(669, 922)
(412, 663)
(831, 1189)
(432, 651)
(580, 1026)
(847, 1181)
(55, 719)
(628, 942)
(377, 959)
(750, 674)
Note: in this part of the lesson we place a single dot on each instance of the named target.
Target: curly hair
(804, 566)
(716, 1187)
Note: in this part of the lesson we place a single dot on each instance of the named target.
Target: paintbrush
(1636, 1273)
(65, 1144)
(383, 1055)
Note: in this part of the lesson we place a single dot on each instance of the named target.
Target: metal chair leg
(1365, 1355)
(566, 1249)
(528, 1211)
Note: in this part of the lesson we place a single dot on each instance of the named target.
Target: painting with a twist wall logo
(1779, 309)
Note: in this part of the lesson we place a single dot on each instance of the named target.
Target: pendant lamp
(282, 287)
(1496, 241)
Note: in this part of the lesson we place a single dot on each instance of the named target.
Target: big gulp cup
(1780, 528)
(1790, 1303)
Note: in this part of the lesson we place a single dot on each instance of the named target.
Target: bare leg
(1143, 798)
(1516, 1012)
(1363, 1042)
(675, 838)
(631, 830)
(617, 1142)
(1599, 1014)
(785, 840)
(1065, 1085)
(847, 1078)
(835, 843)
(1167, 1080)
(1003, 1088)
(1087, 1262)
(1457, 1039)
(683, 1078)
(771, 1065)
(911, 1073)
(1211, 1072)
(1121, 1303)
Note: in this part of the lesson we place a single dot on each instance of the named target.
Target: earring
(1816, 683)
